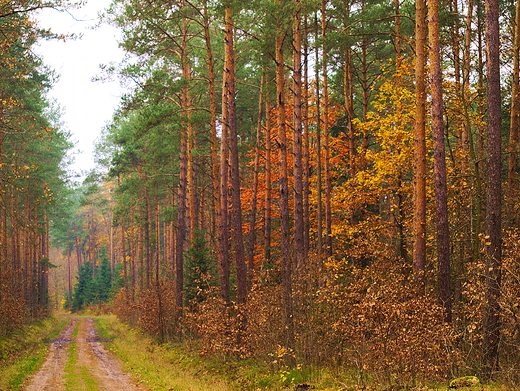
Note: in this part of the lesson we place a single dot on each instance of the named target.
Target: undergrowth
(179, 366)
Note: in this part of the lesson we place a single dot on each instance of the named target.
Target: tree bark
(215, 199)
(229, 100)
(440, 175)
(286, 261)
(299, 245)
(268, 184)
(328, 183)
(419, 254)
(254, 198)
(513, 128)
(223, 253)
(306, 142)
(319, 165)
(494, 193)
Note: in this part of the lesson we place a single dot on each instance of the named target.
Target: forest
(302, 182)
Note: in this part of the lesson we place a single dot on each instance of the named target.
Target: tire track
(93, 366)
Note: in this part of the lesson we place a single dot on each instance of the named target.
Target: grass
(173, 366)
(159, 367)
(23, 352)
(179, 367)
(77, 377)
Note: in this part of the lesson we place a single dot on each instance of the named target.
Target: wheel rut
(77, 360)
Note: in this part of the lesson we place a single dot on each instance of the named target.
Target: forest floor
(77, 360)
(101, 353)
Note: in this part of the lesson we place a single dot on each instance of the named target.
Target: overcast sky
(88, 105)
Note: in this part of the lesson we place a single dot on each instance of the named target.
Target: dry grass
(160, 368)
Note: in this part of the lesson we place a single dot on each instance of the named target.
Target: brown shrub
(153, 310)
(386, 328)
(219, 328)
(265, 328)
(12, 310)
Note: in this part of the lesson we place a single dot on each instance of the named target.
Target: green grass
(77, 377)
(23, 352)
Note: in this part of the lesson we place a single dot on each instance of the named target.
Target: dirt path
(78, 361)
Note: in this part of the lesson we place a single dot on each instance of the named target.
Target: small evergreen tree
(199, 271)
(83, 290)
(103, 280)
(94, 284)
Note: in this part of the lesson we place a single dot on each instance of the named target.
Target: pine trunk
(254, 198)
(236, 208)
(440, 175)
(494, 193)
(286, 266)
(513, 128)
(328, 183)
(268, 184)
(299, 245)
(419, 254)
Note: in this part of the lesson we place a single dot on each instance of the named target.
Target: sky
(87, 104)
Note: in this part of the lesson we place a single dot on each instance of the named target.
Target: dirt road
(78, 361)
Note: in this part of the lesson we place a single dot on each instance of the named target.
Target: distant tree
(94, 284)
(83, 289)
(102, 282)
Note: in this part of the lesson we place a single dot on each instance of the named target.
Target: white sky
(88, 105)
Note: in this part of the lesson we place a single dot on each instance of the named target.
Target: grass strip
(23, 352)
(77, 377)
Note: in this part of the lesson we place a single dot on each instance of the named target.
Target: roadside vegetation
(22, 352)
(179, 366)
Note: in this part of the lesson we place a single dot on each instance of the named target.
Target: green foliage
(94, 284)
(200, 273)
(83, 293)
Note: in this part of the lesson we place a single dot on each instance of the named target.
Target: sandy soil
(102, 366)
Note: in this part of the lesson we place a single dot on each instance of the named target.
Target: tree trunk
(398, 46)
(215, 199)
(328, 183)
(254, 200)
(147, 240)
(223, 253)
(494, 193)
(299, 245)
(319, 165)
(440, 175)
(348, 92)
(419, 254)
(229, 101)
(286, 267)
(268, 184)
(306, 142)
(513, 128)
